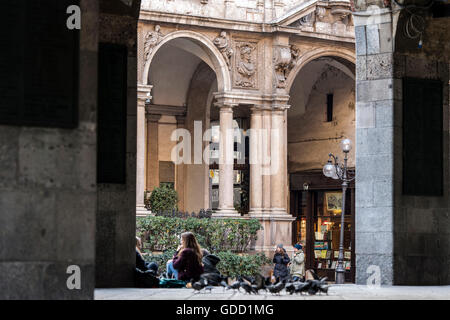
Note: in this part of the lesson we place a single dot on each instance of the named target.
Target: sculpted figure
(245, 67)
(152, 39)
(223, 44)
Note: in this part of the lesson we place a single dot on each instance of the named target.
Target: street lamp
(335, 170)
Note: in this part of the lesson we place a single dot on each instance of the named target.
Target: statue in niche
(152, 39)
(223, 44)
(246, 67)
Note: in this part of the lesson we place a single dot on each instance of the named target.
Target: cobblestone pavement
(336, 292)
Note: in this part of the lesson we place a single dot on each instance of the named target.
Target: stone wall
(422, 224)
(48, 194)
(406, 236)
(116, 211)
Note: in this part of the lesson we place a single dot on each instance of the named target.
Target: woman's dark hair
(189, 241)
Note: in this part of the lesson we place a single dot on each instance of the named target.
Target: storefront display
(318, 223)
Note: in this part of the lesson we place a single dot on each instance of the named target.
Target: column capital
(144, 94)
(152, 117)
(256, 108)
(280, 107)
(181, 120)
(225, 106)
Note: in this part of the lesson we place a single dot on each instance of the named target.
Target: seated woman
(187, 262)
(141, 264)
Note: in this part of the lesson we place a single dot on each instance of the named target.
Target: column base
(226, 213)
(141, 211)
(277, 224)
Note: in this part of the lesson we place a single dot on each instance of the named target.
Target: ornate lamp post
(334, 169)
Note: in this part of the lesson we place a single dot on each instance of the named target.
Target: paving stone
(336, 292)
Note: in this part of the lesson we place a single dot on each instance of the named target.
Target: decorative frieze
(245, 75)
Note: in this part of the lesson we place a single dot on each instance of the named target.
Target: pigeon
(235, 285)
(199, 285)
(256, 289)
(290, 288)
(260, 283)
(247, 287)
(323, 289)
(302, 287)
(252, 280)
(212, 278)
(224, 284)
(276, 288)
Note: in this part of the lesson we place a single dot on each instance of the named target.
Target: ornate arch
(314, 54)
(220, 65)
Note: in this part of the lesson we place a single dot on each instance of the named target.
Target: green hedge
(245, 265)
(230, 264)
(162, 233)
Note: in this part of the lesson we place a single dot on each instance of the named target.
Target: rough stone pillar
(152, 151)
(143, 90)
(226, 163)
(180, 170)
(256, 179)
(375, 123)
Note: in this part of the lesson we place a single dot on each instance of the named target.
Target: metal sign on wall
(39, 64)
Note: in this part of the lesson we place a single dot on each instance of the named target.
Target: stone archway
(209, 54)
(315, 54)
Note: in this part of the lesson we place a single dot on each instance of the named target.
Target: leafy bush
(162, 233)
(161, 259)
(163, 198)
(230, 264)
(247, 265)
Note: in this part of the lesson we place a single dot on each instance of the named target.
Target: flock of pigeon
(253, 285)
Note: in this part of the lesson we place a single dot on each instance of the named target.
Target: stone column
(256, 179)
(278, 161)
(141, 148)
(375, 125)
(277, 223)
(226, 163)
(265, 159)
(152, 151)
(179, 170)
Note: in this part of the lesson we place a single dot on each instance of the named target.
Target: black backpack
(147, 279)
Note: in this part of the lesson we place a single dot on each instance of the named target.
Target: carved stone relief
(307, 21)
(246, 65)
(285, 58)
(324, 17)
(152, 39)
(222, 42)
